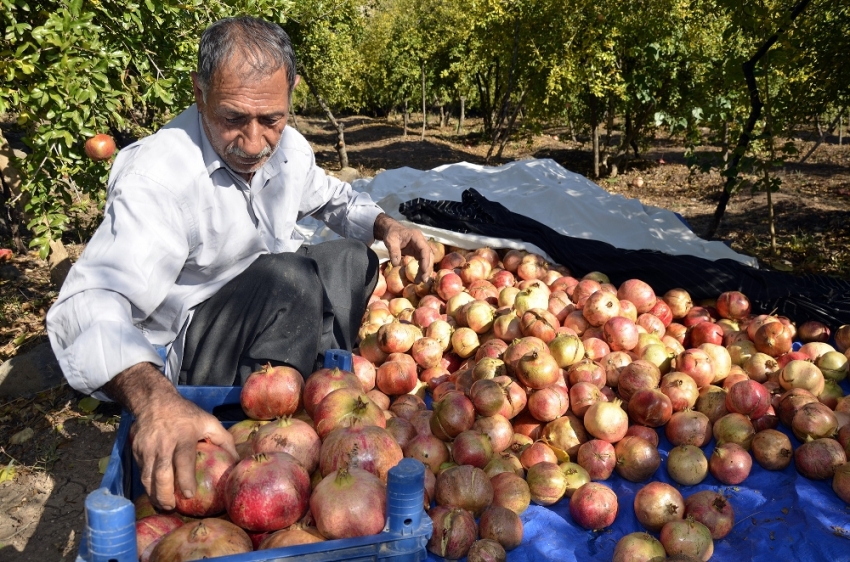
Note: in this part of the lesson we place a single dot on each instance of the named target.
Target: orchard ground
(52, 445)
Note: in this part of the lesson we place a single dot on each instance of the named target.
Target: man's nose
(253, 141)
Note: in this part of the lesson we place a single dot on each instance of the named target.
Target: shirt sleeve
(122, 277)
(349, 213)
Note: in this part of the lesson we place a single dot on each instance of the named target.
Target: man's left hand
(401, 240)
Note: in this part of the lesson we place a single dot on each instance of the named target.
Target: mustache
(235, 150)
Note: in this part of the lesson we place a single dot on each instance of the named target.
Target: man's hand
(166, 431)
(401, 240)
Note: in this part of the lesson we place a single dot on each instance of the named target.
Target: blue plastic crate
(110, 531)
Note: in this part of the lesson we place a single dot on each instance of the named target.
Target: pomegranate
(548, 403)
(546, 483)
(600, 307)
(594, 506)
(429, 450)
(687, 465)
(486, 550)
(453, 414)
(454, 532)
(151, 529)
(712, 510)
(687, 537)
(267, 492)
(473, 448)
(598, 458)
(733, 305)
(272, 392)
(345, 407)
(689, 428)
(646, 433)
(772, 449)
(501, 525)
(511, 491)
(537, 369)
(639, 293)
(679, 301)
(681, 389)
(637, 459)
(841, 482)
(730, 463)
(367, 447)
(566, 433)
(535, 453)
(818, 459)
(349, 502)
(100, 147)
(734, 428)
(607, 421)
(773, 338)
(657, 503)
(291, 536)
(712, 402)
(212, 465)
(466, 487)
(207, 538)
(650, 407)
(639, 547)
(813, 421)
(289, 435)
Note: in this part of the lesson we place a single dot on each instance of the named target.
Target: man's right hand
(166, 431)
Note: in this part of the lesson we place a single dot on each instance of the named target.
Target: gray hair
(265, 47)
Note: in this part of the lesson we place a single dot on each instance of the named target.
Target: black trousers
(286, 309)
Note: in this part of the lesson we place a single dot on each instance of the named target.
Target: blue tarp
(779, 516)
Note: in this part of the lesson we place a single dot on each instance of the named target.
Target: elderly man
(197, 272)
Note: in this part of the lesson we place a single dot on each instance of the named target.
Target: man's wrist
(140, 387)
(383, 222)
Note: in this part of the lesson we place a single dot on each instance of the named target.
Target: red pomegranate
(267, 492)
(272, 392)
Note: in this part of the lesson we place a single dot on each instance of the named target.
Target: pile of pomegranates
(514, 382)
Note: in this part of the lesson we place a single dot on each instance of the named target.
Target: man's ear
(196, 89)
(297, 81)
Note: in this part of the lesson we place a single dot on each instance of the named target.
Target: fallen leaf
(20, 339)
(22, 436)
(8, 472)
(783, 265)
(102, 464)
(89, 404)
(5, 254)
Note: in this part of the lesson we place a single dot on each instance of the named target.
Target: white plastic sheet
(542, 190)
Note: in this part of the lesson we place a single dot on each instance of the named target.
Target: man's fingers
(163, 482)
(394, 249)
(184, 466)
(221, 437)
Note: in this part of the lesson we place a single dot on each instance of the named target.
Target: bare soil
(48, 475)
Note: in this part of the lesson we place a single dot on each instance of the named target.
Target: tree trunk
(406, 117)
(337, 125)
(725, 143)
(840, 129)
(771, 217)
(817, 126)
(462, 114)
(442, 115)
(507, 135)
(570, 126)
(609, 126)
(498, 126)
(755, 114)
(424, 112)
(823, 135)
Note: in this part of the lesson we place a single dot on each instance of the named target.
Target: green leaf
(103, 464)
(89, 404)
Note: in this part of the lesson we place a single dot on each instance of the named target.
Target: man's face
(244, 118)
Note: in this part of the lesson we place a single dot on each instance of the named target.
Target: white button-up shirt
(178, 225)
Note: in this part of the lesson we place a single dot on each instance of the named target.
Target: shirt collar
(214, 162)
